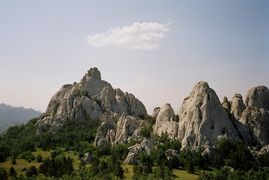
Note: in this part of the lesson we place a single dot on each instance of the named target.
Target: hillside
(15, 115)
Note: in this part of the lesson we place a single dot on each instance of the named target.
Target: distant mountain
(15, 115)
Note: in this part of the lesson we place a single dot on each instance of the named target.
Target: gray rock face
(257, 121)
(237, 106)
(95, 73)
(146, 146)
(202, 119)
(226, 104)
(156, 112)
(127, 126)
(165, 122)
(88, 100)
(118, 130)
(258, 97)
(256, 115)
(106, 132)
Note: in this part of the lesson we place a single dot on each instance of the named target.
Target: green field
(179, 174)
(128, 169)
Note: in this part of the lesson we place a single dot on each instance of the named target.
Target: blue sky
(44, 44)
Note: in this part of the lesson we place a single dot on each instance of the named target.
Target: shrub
(32, 171)
(12, 172)
(39, 158)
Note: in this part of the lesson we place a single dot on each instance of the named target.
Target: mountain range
(15, 115)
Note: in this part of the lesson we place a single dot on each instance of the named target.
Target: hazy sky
(155, 49)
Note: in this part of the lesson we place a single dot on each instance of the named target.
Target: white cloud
(143, 36)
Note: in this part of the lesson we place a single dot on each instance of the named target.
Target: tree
(39, 158)
(32, 171)
(3, 174)
(12, 172)
(118, 171)
(13, 161)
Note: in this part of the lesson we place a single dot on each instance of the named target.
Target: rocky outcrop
(127, 127)
(258, 97)
(237, 106)
(118, 130)
(156, 112)
(165, 122)
(88, 100)
(202, 119)
(226, 104)
(256, 115)
(133, 156)
(106, 132)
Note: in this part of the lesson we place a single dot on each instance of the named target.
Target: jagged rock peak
(258, 97)
(156, 112)
(202, 119)
(226, 104)
(256, 115)
(165, 122)
(95, 73)
(237, 106)
(88, 100)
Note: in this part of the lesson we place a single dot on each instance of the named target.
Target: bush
(56, 166)
(27, 156)
(13, 161)
(32, 171)
(39, 158)
(3, 174)
(12, 172)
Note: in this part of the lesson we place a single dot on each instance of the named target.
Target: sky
(157, 50)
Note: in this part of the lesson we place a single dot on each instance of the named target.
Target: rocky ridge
(88, 100)
(200, 122)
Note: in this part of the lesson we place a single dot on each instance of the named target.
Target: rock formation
(146, 146)
(256, 115)
(165, 122)
(156, 112)
(226, 104)
(202, 119)
(237, 106)
(88, 100)
(118, 130)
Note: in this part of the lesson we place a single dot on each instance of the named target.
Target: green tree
(39, 158)
(13, 161)
(32, 171)
(12, 172)
(3, 174)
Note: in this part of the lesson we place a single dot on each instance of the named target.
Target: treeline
(72, 136)
(228, 160)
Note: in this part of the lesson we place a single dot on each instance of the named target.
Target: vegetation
(25, 154)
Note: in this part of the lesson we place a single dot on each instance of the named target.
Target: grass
(128, 169)
(20, 164)
(44, 154)
(179, 174)
(182, 174)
